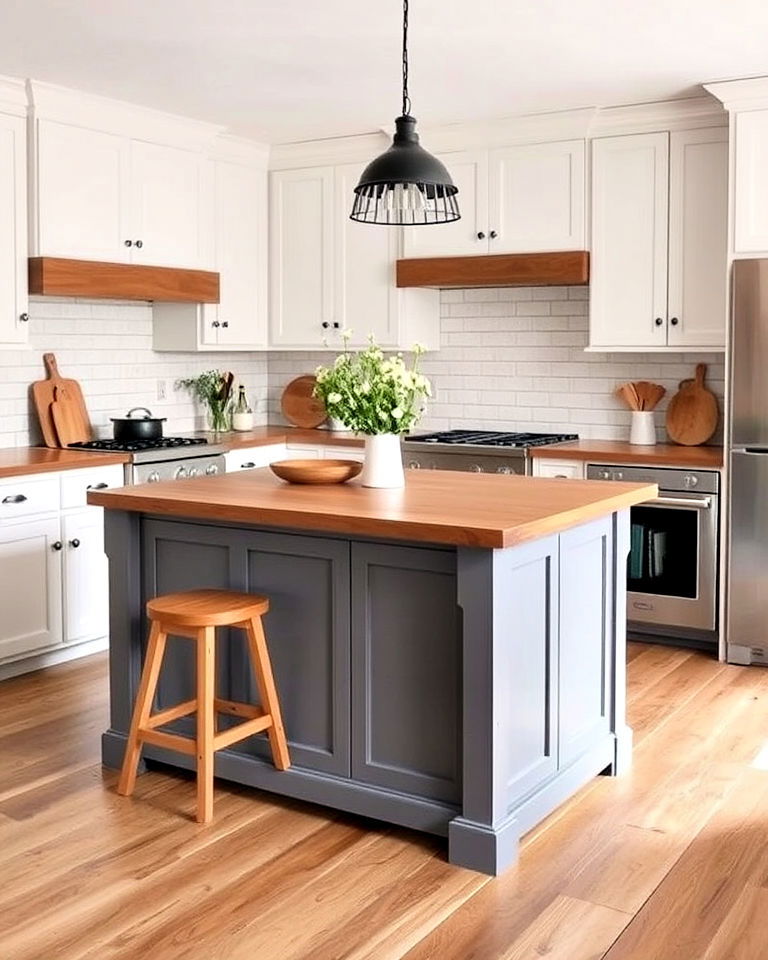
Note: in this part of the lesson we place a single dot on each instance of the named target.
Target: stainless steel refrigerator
(748, 529)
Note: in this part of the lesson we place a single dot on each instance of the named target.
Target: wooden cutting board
(67, 413)
(43, 397)
(299, 406)
(692, 413)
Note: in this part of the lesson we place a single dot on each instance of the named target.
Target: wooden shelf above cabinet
(61, 277)
(566, 268)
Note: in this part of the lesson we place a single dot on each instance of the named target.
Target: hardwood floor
(669, 862)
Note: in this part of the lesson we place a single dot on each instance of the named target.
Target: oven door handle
(672, 502)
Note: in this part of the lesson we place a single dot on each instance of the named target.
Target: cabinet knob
(658, 321)
(14, 498)
(215, 323)
(481, 235)
(128, 243)
(225, 323)
(493, 234)
(336, 324)
(57, 545)
(74, 543)
(674, 321)
(325, 324)
(139, 243)
(24, 317)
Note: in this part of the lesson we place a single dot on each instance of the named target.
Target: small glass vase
(219, 416)
(383, 466)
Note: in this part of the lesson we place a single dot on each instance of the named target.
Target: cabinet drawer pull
(14, 498)
(248, 465)
(97, 486)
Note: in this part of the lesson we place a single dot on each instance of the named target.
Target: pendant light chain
(406, 98)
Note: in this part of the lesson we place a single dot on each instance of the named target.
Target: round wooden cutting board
(692, 413)
(299, 406)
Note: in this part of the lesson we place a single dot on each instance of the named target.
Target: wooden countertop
(434, 507)
(619, 451)
(18, 461)
(263, 436)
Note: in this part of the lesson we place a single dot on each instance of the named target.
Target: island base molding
(463, 692)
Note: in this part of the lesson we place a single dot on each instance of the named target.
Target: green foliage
(205, 386)
(372, 393)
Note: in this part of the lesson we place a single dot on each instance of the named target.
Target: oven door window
(664, 551)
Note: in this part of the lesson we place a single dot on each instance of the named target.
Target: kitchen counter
(263, 436)
(19, 461)
(619, 451)
(435, 507)
(448, 656)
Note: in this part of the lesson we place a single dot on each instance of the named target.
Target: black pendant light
(405, 185)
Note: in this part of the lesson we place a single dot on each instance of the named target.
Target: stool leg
(269, 699)
(143, 707)
(206, 684)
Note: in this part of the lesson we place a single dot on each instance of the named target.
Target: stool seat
(206, 608)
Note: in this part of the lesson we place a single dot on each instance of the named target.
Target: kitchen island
(450, 656)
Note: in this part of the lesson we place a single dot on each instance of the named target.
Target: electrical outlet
(162, 390)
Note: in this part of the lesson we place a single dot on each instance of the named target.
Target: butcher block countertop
(444, 507)
(19, 461)
(619, 451)
(263, 436)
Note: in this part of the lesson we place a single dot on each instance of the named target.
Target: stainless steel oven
(672, 570)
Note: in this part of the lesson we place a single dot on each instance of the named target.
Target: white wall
(107, 346)
(513, 358)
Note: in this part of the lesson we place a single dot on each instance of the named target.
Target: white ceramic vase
(383, 466)
(643, 429)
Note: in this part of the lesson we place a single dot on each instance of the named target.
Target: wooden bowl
(316, 471)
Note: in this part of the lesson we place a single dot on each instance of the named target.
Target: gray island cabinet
(450, 657)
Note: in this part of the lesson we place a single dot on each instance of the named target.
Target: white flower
(397, 414)
(365, 387)
(334, 397)
(419, 348)
(346, 334)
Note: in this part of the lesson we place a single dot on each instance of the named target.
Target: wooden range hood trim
(569, 268)
(62, 277)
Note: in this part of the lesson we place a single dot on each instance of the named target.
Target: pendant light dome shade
(405, 185)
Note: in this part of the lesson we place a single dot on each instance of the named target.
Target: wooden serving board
(299, 406)
(692, 413)
(43, 395)
(68, 417)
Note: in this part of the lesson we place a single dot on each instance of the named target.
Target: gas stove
(168, 458)
(478, 451)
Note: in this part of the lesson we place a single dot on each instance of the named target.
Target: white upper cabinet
(536, 198)
(750, 219)
(467, 236)
(698, 237)
(13, 230)
(301, 267)
(659, 229)
(521, 199)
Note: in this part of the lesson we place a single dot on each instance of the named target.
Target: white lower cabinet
(86, 576)
(30, 586)
(559, 469)
(248, 458)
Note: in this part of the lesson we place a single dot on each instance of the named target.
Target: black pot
(128, 429)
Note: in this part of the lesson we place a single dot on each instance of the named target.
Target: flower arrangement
(212, 388)
(372, 393)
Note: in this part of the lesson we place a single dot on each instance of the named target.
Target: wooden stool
(196, 614)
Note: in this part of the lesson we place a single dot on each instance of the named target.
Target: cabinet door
(82, 193)
(469, 171)
(586, 624)
(86, 576)
(560, 469)
(698, 237)
(30, 587)
(166, 205)
(301, 256)
(406, 670)
(365, 291)
(240, 228)
(537, 197)
(750, 218)
(628, 284)
(13, 230)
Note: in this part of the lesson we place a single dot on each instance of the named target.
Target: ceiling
(283, 70)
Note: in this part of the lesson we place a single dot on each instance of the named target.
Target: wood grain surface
(692, 414)
(620, 451)
(44, 394)
(20, 461)
(62, 277)
(317, 471)
(299, 405)
(666, 863)
(566, 268)
(435, 506)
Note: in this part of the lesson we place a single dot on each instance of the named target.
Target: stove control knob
(414, 465)
(618, 475)
(194, 472)
(605, 474)
(211, 469)
(476, 468)
(180, 473)
(503, 469)
(690, 480)
(154, 477)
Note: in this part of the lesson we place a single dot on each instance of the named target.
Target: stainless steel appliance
(747, 587)
(478, 451)
(167, 458)
(672, 572)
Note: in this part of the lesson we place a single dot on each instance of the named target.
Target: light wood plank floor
(667, 863)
